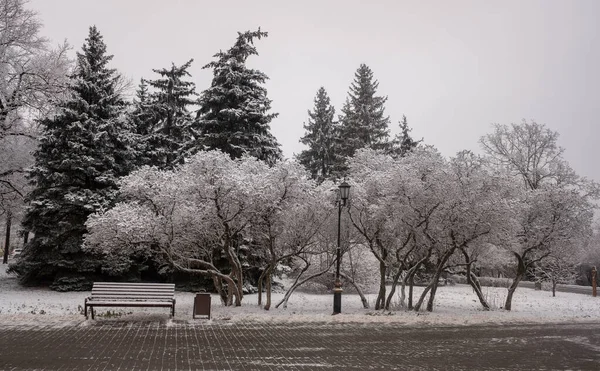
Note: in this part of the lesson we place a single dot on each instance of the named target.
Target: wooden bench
(121, 294)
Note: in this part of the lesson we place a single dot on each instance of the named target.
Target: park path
(222, 345)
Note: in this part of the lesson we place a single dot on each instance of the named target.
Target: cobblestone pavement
(311, 346)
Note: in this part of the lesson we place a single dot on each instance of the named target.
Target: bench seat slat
(133, 285)
(100, 292)
(130, 298)
(132, 288)
(131, 303)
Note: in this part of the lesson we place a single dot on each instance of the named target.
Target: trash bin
(201, 305)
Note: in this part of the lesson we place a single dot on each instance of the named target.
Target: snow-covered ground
(455, 305)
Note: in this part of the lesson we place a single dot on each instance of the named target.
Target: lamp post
(337, 289)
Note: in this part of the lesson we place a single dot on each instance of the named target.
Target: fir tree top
(320, 157)
(234, 116)
(363, 120)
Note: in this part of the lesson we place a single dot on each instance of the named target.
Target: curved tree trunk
(474, 282)
(297, 284)
(515, 283)
(422, 298)
(432, 287)
(363, 299)
(220, 289)
(393, 290)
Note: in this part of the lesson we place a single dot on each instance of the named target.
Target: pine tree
(82, 151)
(166, 126)
(320, 157)
(142, 120)
(403, 143)
(234, 115)
(363, 122)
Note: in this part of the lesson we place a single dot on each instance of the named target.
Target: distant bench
(122, 294)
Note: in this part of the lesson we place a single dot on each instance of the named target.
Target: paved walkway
(264, 346)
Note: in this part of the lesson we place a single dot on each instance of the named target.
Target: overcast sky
(452, 67)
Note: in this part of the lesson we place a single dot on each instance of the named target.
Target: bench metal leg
(92, 310)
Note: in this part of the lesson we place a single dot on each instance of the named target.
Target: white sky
(453, 67)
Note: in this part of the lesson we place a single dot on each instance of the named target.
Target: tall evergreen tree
(234, 116)
(165, 120)
(83, 149)
(320, 157)
(403, 143)
(363, 122)
(142, 121)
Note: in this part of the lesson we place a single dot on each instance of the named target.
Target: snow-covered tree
(163, 118)
(551, 218)
(234, 114)
(487, 220)
(556, 204)
(530, 151)
(205, 212)
(289, 217)
(403, 143)
(32, 74)
(393, 206)
(321, 157)
(363, 122)
(141, 117)
(83, 149)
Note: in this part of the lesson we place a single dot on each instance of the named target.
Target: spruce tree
(82, 151)
(403, 143)
(165, 128)
(363, 122)
(142, 121)
(320, 157)
(234, 116)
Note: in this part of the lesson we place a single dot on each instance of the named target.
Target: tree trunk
(363, 299)
(268, 278)
(515, 283)
(403, 294)
(218, 282)
(472, 280)
(422, 298)
(554, 282)
(297, 284)
(380, 303)
(434, 281)
(230, 293)
(237, 277)
(393, 290)
(432, 296)
(7, 237)
(411, 285)
(259, 286)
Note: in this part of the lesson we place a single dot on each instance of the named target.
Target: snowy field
(455, 305)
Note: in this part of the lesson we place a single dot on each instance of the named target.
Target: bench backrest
(132, 291)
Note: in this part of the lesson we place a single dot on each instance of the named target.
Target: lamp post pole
(337, 289)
